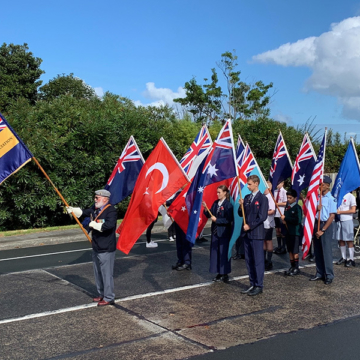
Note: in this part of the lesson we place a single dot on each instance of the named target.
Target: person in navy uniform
(323, 238)
(103, 217)
(256, 208)
(183, 246)
(221, 230)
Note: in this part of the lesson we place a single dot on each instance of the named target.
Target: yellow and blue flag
(13, 152)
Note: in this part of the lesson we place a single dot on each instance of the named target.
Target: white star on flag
(195, 211)
(201, 189)
(212, 170)
(146, 191)
(301, 179)
(183, 208)
(185, 195)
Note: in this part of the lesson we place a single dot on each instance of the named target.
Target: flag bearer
(292, 218)
(103, 225)
(221, 230)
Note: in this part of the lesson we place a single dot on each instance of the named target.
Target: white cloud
(99, 91)
(283, 118)
(162, 96)
(333, 57)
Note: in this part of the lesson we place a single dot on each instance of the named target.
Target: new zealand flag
(281, 167)
(304, 165)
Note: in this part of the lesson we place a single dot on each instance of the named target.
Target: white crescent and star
(162, 168)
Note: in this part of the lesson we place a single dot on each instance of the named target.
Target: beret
(103, 192)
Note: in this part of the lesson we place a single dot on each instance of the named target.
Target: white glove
(77, 211)
(95, 225)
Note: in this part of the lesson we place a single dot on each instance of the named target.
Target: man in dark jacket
(103, 224)
(256, 207)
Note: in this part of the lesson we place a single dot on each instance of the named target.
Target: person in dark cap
(323, 238)
(103, 217)
(292, 218)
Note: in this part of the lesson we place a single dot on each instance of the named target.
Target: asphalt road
(46, 310)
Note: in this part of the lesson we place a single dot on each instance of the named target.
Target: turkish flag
(160, 177)
(179, 212)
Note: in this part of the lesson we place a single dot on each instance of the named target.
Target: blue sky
(147, 50)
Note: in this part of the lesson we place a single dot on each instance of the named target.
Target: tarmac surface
(47, 285)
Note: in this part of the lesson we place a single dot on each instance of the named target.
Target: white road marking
(61, 252)
(129, 298)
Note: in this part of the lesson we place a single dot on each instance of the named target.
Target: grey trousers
(323, 253)
(103, 264)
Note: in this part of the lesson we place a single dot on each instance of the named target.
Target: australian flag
(281, 167)
(348, 177)
(304, 165)
(218, 166)
(123, 178)
(234, 187)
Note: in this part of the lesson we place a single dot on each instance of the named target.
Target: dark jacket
(105, 240)
(293, 217)
(224, 218)
(256, 213)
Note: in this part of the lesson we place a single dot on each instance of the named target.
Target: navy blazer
(256, 213)
(224, 218)
(105, 240)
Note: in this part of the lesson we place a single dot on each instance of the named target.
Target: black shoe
(353, 263)
(255, 291)
(347, 263)
(247, 290)
(341, 261)
(224, 278)
(277, 250)
(315, 278)
(269, 266)
(217, 278)
(184, 267)
(282, 251)
(294, 272)
(288, 272)
(312, 258)
(328, 281)
(174, 267)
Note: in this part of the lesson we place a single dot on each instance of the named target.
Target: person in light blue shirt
(322, 238)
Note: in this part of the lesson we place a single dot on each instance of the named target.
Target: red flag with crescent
(160, 177)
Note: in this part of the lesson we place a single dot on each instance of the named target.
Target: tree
(66, 85)
(242, 101)
(19, 75)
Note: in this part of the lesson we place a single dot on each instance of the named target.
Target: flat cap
(327, 179)
(103, 192)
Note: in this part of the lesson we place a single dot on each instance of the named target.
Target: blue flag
(13, 152)
(281, 167)
(348, 177)
(123, 178)
(218, 166)
(304, 165)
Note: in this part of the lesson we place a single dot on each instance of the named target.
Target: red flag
(160, 177)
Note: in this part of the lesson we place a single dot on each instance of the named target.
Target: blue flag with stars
(219, 165)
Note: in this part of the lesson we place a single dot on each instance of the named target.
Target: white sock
(351, 253)
(343, 252)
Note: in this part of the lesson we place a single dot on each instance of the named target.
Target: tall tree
(242, 101)
(19, 75)
(66, 85)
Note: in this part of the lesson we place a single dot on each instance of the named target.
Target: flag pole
(61, 197)
(208, 210)
(320, 203)
(242, 204)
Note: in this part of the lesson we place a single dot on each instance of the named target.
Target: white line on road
(60, 252)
